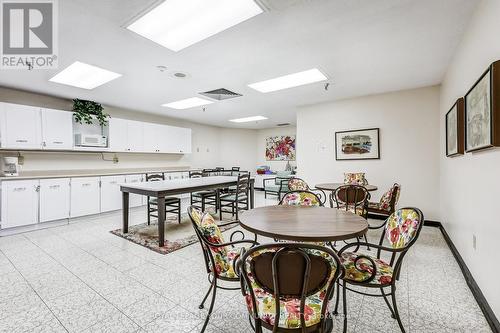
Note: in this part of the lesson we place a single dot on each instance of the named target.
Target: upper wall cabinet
(20, 126)
(57, 129)
(118, 134)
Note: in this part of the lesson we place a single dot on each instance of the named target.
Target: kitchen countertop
(91, 173)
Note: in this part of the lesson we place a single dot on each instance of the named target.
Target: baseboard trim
(476, 291)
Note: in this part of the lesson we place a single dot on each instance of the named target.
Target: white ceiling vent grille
(220, 94)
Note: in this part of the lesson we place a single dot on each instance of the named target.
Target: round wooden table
(333, 186)
(299, 223)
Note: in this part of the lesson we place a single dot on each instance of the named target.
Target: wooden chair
(239, 199)
(216, 253)
(287, 286)
(401, 232)
(202, 199)
(172, 204)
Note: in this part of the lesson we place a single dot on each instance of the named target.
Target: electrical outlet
(474, 242)
(20, 160)
(115, 159)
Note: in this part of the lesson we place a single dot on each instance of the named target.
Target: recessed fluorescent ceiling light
(176, 24)
(188, 103)
(289, 81)
(248, 119)
(85, 76)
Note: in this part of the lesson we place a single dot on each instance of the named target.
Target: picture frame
(482, 111)
(361, 144)
(454, 123)
(280, 148)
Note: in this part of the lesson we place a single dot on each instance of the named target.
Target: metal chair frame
(392, 207)
(283, 181)
(319, 193)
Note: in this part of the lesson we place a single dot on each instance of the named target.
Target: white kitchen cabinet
(111, 196)
(20, 126)
(57, 129)
(118, 134)
(19, 203)
(135, 136)
(54, 199)
(178, 140)
(135, 200)
(85, 196)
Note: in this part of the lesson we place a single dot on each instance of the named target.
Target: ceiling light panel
(289, 81)
(84, 76)
(188, 103)
(177, 24)
(248, 119)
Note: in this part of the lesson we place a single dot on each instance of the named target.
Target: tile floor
(80, 278)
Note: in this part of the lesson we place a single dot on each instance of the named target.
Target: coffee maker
(10, 166)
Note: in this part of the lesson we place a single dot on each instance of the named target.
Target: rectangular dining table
(165, 188)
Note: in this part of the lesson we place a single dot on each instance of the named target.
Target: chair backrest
(152, 177)
(235, 169)
(297, 184)
(208, 233)
(353, 198)
(390, 199)
(355, 178)
(403, 227)
(243, 184)
(291, 271)
(301, 198)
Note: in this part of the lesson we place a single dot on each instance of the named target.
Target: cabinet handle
(58, 142)
(86, 184)
(23, 141)
(19, 189)
(54, 186)
(114, 182)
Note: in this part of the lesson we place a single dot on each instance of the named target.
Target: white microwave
(90, 140)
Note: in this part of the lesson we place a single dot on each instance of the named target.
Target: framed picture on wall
(455, 129)
(482, 111)
(360, 144)
(280, 148)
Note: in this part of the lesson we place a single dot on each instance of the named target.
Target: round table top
(301, 223)
(334, 186)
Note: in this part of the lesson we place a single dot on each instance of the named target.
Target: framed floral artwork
(280, 148)
(482, 111)
(455, 129)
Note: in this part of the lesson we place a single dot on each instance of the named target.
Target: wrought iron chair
(203, 198)
(237, 199)
(401, 232)
(301, 198)
(172, 204)
(287, 286)
(297, 184)
(217, 253)
(386, 206)
(277, 185)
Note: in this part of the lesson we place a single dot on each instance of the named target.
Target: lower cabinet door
(54, 199)
(85, 196)
(19, 203)
(111, 196)
(135, 200)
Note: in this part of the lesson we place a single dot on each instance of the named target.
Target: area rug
(177, 235)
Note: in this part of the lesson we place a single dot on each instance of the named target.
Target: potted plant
(86, 111)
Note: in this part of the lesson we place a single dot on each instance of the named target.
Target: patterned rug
(177, 235)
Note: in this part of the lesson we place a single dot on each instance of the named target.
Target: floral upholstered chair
(297, 184)
(301, 198)
(220, 256)
(355, 178)
(287, 286)
(388, 202)
(401, 231)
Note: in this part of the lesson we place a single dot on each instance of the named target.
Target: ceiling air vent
(220, 94)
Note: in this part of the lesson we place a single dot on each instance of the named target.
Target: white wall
(261, 146)
(409, 144)
(470, 184)
(237, 148)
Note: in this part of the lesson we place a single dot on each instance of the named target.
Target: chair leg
(396, 312)
(179, 212)
(387, 302)
(210, 309)
(344, 303)
(202, 304)
(337, 299)
(366, 241)
(220, 210)
(237, 208)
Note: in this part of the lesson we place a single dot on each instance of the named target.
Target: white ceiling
(363, 46)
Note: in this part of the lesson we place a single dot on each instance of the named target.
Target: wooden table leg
(161, 221)
(125, 208)
(252, 195)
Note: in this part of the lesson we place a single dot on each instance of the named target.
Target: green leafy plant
(85, 111)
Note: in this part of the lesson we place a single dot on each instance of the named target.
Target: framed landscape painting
(482, 113)
(357, 144)
(280, 148)
(455, 129)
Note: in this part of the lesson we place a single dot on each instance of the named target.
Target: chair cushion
(300, 199)
(355, 178)
(289, 307)
(374, 205)
(207, 193)
(402, 227)
(167, 200)
(359, 210)
(270, 187)
(383, 274)
(232, 197)
(297, 184)
(385, 200)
